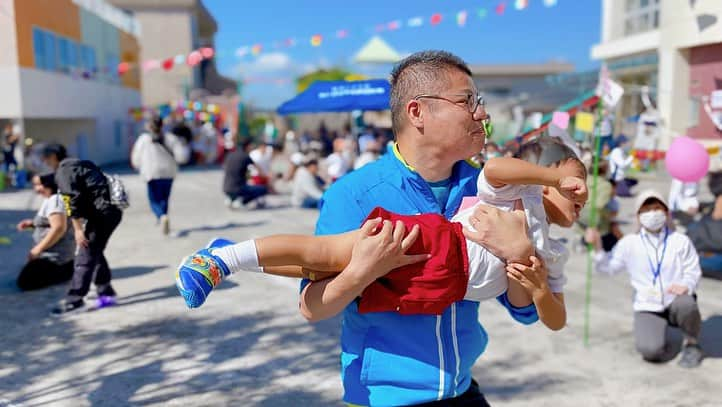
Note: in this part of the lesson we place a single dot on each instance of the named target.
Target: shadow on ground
(171, 358)
(218, 228)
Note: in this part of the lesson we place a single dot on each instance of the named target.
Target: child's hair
(549, 152)
(48, 181)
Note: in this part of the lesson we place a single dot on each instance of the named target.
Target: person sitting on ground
(706, 234)
(307, 186)
(337, 164)
(50, 261)
(235, 178)
(664, 270)
(370, 154)
(483, 275)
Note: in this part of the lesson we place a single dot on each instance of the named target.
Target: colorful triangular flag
(415, 22)
(461, 18)
(500, 8)
(436, 19)
(521, 4)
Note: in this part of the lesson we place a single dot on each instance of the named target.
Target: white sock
(240, 257)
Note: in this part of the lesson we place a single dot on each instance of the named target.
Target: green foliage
(333, 74)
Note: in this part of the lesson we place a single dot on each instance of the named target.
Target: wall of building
(130, 53)
(9, 73)
(165, 33)
(48, 95)
(60, 16)
(705, 74)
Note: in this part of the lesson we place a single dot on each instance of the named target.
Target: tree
(333, 74)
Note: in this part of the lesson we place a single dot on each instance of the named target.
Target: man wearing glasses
(439, 121)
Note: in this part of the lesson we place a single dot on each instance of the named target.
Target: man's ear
(414, 113)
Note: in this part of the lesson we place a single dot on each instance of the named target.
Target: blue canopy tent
(340, 96)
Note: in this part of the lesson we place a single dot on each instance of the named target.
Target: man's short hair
(421, 72)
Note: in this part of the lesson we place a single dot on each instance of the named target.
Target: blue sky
(565, 31)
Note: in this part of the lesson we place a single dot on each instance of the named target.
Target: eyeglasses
(472, 101)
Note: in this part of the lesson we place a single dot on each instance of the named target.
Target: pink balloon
(687, 160)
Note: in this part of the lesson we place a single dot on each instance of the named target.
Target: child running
(440, 266)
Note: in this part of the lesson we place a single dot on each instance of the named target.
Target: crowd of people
(400, 252)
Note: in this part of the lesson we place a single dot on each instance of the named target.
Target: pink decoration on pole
(561, 120)
(687, 160)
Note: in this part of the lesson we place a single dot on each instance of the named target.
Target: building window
(39, 48)
(111, 67)
(641, 16)
(44, 49)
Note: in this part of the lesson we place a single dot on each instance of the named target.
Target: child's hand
(573, 188)
(379, 253)
(533, 278)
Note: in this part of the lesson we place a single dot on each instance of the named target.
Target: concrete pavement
(248, 345)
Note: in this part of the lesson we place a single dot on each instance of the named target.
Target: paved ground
(249, 346)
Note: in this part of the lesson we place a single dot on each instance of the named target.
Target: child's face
(560, 210)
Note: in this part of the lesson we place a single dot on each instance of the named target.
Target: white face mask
(653, 221)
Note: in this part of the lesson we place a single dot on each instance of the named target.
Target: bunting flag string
(195, 57)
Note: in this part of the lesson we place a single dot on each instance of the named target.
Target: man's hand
(533, 278)
(503, 233)
(80, 238)
(573, 188)
(381, 252)
(677, 289)
(24, 224)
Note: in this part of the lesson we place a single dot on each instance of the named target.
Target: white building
(58, 73)
(675, 48)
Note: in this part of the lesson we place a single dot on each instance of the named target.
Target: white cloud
(267, 62)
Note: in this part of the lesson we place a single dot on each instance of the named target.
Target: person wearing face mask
(50, 260)
(664, 269)
(619, 162)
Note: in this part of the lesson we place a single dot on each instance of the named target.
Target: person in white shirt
(664, 269)
(337, 163)
(307, 190)
(619, 162)
(683, 202)
(155, 156)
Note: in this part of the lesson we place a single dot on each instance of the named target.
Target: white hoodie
(154, 161)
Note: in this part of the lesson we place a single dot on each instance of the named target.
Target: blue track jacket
(389, 359)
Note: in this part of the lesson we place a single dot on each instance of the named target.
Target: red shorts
(428, 287)
(259, 180)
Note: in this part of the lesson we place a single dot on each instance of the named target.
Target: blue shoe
(200, 272)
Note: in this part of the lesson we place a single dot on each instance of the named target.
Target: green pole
(592, 220)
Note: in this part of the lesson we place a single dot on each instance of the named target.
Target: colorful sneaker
(105, 301)
(200, 272)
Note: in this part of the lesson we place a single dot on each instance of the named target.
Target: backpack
(118, 194)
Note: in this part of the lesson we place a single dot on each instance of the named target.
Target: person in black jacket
(85, 192)
(235, 180)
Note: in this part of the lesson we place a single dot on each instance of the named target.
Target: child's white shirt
(487, 274)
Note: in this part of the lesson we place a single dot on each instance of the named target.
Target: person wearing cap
(155, 155)
(706, 234)
(619, 162)
(664, 269)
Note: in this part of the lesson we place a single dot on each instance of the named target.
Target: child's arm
(550, 306)
(503, 171)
